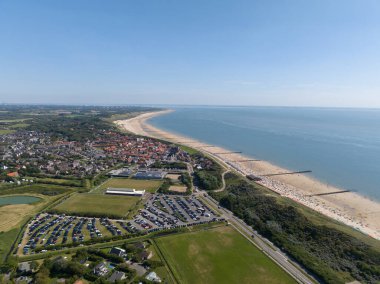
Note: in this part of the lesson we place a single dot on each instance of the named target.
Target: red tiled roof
(13, 174)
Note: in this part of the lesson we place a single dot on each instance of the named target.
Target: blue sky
(284, 52)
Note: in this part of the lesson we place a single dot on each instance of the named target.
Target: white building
(153, 277)
(125, 191)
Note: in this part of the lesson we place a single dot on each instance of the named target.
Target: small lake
(18, 199)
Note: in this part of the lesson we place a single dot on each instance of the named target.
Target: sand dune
(350, 208)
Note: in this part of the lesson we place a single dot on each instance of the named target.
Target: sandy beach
(349, 208)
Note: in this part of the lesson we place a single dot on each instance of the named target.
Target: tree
(34, 265)
(86, 183)
(42, 276)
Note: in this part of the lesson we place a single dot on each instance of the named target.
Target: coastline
(349, 208)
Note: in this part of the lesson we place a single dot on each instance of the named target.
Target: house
(116, 276)
(139, 245)
(23, 279)
(24, 267)
(13, 174)
(144, 255)
(118, 251)
(153, 277)
(100, 269)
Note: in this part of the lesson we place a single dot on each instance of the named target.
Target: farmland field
(219, 255)
(97, 205)
(148, 185)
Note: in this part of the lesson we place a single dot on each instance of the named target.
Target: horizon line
(187, 105)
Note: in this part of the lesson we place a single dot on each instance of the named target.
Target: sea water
(340, 146)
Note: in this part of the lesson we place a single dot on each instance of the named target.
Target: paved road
(264, 245)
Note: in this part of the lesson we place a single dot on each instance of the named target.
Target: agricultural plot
(98, 205)
(148, 185)
(219, 255)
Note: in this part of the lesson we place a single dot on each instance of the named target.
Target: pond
(18, 199)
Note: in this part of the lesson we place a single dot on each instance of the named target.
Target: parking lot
(47, 229)
(159, 212)
(169, 211)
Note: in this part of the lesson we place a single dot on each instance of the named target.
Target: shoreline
(352, 209)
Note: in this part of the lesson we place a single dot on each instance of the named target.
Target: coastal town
(109, 167)
(30, 152)
(119, 205)
(189, 142)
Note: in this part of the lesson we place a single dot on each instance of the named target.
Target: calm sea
(340, 146)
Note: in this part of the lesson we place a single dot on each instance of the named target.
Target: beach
(349, 208)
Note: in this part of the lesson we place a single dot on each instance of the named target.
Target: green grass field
(18, 125)
(13, 120)
(44, 189)
(148, 185)
(87, 204)
(6, 131)
(161, 271)
(6, 241)
(12, 125)
(188, 149)
(219, 255)
(69, 182)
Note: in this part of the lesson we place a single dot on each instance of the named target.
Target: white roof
(125, 192)
(153, 277)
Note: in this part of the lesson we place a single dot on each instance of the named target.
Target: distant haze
(288, 53)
